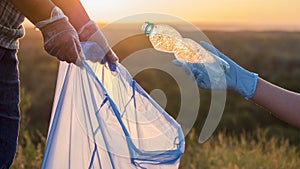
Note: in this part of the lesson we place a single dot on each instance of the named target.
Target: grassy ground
(222, 151)
(244, 151)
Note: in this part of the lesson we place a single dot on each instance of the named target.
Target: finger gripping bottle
(167, 39)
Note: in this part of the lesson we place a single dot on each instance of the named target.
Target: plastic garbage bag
(104, 119)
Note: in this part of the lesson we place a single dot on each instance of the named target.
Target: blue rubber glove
(237, 78)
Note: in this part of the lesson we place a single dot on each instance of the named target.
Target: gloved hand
(237, 78)
(60, 38)
(91, 33)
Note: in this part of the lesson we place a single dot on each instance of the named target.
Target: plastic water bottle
(167, 39)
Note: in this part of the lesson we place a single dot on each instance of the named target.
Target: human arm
(282, 103)
(87, 30)
(75, 12)
(34, 10)
(60, 38)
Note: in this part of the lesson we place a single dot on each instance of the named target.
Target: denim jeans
(9, 106)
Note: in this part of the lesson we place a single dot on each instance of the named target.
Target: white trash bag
(103, 119)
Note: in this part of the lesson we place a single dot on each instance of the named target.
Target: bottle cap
(147, 28)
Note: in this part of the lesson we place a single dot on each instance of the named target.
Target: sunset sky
(210, 14)
(274, 14)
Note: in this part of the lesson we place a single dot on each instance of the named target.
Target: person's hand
(237, 78)
(60, 38)
(91, 33)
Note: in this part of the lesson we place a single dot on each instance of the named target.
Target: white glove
(60, 38)
(91, 33)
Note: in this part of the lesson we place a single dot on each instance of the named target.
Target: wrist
(247, 84)
(90, 32)
(56, 14)
(75, 12)
(87, 30)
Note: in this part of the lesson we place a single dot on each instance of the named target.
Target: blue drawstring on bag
(104, 119)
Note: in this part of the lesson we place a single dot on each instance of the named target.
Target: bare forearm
(282, 103)
(38, 10)
(34, 10)
(75, 12)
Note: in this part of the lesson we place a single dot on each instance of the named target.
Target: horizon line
(213, 26)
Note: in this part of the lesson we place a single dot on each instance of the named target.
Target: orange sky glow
(235, 14)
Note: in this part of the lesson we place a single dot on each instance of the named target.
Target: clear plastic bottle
(167, 39)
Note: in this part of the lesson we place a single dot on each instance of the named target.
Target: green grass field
(248, 137)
